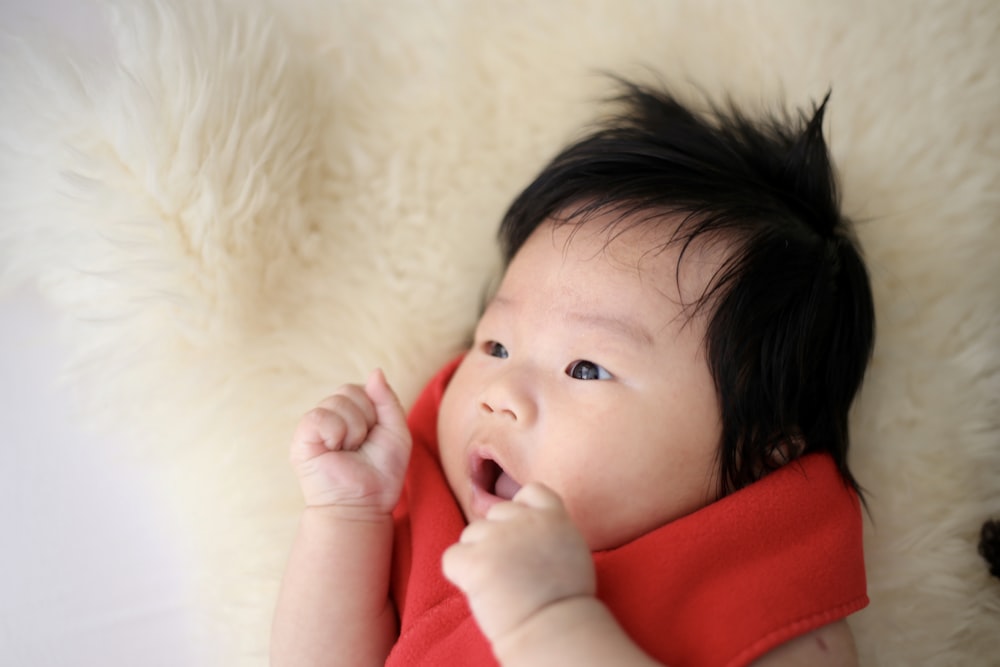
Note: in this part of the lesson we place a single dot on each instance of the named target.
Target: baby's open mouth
(490, 477)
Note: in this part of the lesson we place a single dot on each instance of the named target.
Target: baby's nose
(487, 406)
(508, 397)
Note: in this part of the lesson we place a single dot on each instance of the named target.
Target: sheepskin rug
(239, 206)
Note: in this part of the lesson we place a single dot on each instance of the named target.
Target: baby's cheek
(617, 515)
(596, 526)
(454, 458)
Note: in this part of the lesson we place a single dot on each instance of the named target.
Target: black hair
(790, 319)
(989, 545)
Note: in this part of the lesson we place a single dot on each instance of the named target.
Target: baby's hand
(353, 448)
(524, 556)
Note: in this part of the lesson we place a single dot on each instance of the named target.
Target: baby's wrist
(580, 626)
(343, 513)
(553, 619)
(355, 502)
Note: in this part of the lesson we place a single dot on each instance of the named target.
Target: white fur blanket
(242, 205)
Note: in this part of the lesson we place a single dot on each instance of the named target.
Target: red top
(717, 588)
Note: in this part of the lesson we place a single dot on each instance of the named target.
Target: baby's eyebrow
(621, 325)
(624, 326)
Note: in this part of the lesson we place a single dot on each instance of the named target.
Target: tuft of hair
(790, 315)
(989, 545)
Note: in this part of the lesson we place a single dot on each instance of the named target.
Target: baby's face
(585, 375)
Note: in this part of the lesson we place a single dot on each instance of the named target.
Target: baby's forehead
(629, 282)
(648, 243)
(600, 267)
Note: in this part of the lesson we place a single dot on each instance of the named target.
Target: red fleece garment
(717, 588)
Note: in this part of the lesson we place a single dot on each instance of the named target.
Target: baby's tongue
(506, 487)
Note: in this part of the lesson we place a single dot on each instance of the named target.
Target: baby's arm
(530, 582)
(350, 454)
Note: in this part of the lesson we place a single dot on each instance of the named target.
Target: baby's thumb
(388, 411)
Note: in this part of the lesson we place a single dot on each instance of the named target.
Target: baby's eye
(586, 370)
(495, 349)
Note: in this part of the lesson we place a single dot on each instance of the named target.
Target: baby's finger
(507, 511)
(456, 563)
(475, 532)
(352, 407)
(539, 496)
(318, 431)
(387, 408)
(352, 397)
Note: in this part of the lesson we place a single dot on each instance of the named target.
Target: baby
(641, 459)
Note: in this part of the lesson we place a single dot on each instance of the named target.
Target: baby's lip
(491, 483)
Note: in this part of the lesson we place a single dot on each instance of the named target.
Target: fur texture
(242, 205)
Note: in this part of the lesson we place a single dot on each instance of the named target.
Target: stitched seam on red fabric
(796, 628)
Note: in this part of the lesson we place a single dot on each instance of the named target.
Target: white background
(90, 571)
